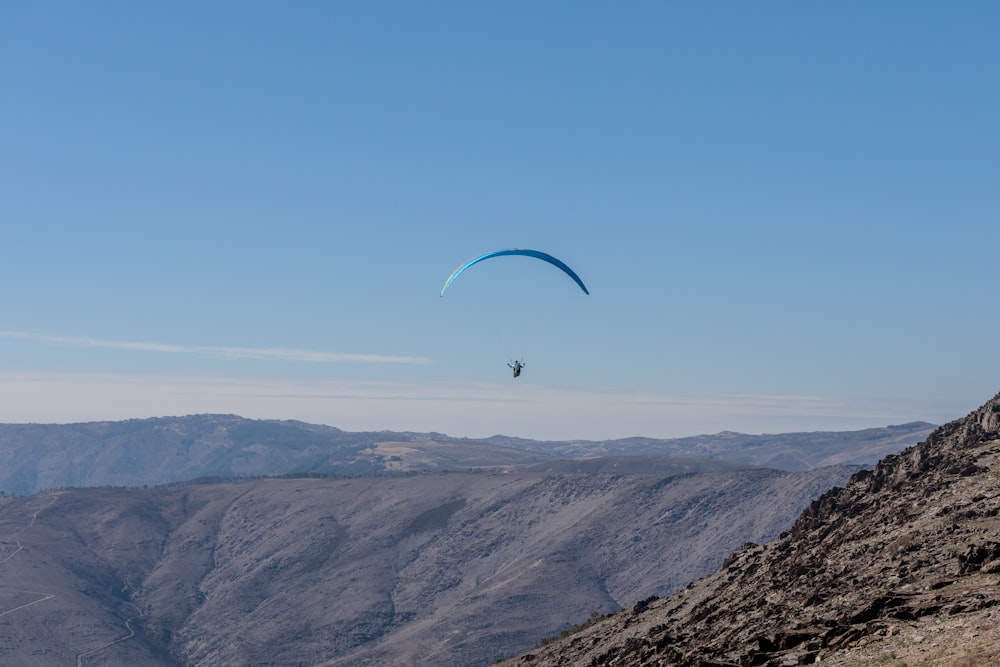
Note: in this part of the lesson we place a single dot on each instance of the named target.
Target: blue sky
(785, 213)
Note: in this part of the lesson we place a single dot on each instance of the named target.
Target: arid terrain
(369, 548)
(430, 569)
(900, 567)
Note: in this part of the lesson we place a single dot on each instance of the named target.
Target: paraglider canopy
(538, 254)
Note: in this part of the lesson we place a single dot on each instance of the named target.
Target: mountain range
(367, 549)
(138, 452)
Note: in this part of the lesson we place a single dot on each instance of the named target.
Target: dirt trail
(18, 547)
(130, 633)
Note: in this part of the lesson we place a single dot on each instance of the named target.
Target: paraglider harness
(517, 365)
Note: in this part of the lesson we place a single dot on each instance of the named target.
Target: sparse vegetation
(594, 618)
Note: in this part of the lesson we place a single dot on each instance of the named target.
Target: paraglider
(544, 256)
(517, 365)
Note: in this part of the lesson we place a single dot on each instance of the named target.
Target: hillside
(138, 452)
(430, 569)
(902, 563)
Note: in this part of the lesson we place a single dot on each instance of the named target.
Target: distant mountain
(444, 569)
(784, 451)
(35, 457)
(899, 568)
(138, 452)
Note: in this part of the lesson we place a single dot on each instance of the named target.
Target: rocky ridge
(866, 570)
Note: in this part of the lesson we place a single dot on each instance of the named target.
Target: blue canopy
(517, 251)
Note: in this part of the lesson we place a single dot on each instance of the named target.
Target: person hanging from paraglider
(516, 365)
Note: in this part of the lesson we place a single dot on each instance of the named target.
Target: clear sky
(785, 213)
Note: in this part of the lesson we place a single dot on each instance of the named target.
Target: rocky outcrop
(917, 537)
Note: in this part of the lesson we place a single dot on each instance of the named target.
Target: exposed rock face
(916, 538)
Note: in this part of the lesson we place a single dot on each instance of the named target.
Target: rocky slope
(904, 561)
(433, 569)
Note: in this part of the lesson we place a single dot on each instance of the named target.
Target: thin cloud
(254, 353)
